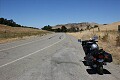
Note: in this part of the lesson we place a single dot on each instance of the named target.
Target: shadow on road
(93, 71)
(84, 62)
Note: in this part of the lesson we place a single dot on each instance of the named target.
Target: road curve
(52, 57)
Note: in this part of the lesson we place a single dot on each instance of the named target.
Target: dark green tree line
(12, 23)
(9, 22)
(48, 28)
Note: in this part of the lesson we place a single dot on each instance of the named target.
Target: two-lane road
(51, 57)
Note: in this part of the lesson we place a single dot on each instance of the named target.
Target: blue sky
(38, 13)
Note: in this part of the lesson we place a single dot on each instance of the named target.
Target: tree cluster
(12, 23)
(62, 29)
(48, 28)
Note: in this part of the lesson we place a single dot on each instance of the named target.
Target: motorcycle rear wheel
(100, 69)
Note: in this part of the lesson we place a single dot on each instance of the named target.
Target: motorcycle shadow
(94, 71)
(84, 62)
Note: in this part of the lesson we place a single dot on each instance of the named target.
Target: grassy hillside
(82, 25)
(109, 38)
(110, 27)
(8, 33)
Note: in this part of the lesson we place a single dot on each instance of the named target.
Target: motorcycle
(95, 57)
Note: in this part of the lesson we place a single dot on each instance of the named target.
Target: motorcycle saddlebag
(108, 57)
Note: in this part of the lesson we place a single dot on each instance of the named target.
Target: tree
(63, 29)
(1, 20)
(95, 26)
(77, 29)
(12, 23)
(88, 27)
(73, 29)
(81, 30)
(48, 28)
(58, 30)
(9, 22)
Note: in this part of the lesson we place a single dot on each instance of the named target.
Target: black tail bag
(109, 57)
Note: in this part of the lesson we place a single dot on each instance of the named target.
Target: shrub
(95, 26)
(105, 37)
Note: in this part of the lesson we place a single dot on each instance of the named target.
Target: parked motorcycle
(95, 57)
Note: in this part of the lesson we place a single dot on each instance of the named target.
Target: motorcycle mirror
(95, 37)
(79, 40)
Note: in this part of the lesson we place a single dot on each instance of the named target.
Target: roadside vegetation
(109, 38)
(62, 29)
(12, 23)
(10, 31)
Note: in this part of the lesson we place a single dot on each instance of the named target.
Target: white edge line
(21, 45)
(17, 46)
(30, 54)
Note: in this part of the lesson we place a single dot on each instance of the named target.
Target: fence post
(119, 28)
(118, 37)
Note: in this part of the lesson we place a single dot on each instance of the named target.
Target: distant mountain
(82, 25)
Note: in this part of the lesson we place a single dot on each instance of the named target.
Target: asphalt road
(52, 57)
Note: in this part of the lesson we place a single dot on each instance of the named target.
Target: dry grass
(8, 33)
(108, 39)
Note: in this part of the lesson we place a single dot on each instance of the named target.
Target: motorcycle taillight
(101, 56)
(94, 59)
(106, 56)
